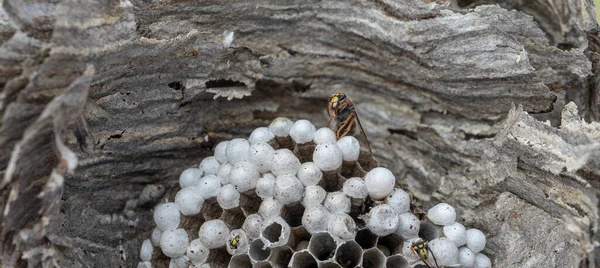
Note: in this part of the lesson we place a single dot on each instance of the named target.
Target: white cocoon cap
(223, 173)
(155, 237)
(475, 240)
(382, 220)
(265, 186)
(284, 162)
(209, 165)
(189, 201)
(252, 225)
(337, 202)
(228, 197)
(408, 226)
(446, 252)
(302, 131)
(380, 183)
(288, 189)
(197, 252)
(180, 262)
(310, 174)
(209, 186)
(237, 150)
(456, 233)
(350, 148)
(144, 264)
(325, 135)
(281, 126)
(316, 219)
(399, 200)
(355, 188)
(190, 177)
(260, 155)
(166, 216)
(221, 151)
(241, 245)
(174, 243)
(261, 134)
(270, 208)
(146, 250)
(466, 257)
(482, 261)
(243, 176)
(342, 226)
(313, 195)
(328, 156)
(213, 233)
(442, 214)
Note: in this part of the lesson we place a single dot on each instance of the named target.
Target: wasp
(422, 251)
(233, 243)
(342, 109)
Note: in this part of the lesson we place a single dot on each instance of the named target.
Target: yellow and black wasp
(422, 251)
(342, 109)
(233, 243)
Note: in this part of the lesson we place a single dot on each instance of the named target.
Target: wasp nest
(294, 196)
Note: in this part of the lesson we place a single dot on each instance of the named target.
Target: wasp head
(336, 102)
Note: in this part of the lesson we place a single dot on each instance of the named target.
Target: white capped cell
(243, 176)
(399, 200)
(228, 197)
(261, 134)
(442, 214)
(155, 237)
(310, 174)
(269, 208)
(355, 188)
(466, 257)
(189, 201)
(327, 156)
(446, 252)
(284, 162)
(179, 262)
(482, 261)
(316, 219)
(380, 183)
(252, 225)
(265, 185)
(197, 252)
(223, 173)
(213, 233)
(281, 126)
(237, 151)
(209, 165)
(146, 250)
(221, 152)
(237, 242)
(350, 148)
(313, 195)
(341, 225)
(144, 264)
(325, 135)
(166, 216)
(288, 189)
(302, 131)
(190, 177)
(382, 220)
(456, 233)
(475, 240)
(408, 226)
(209, 186)
(337, 202)
(174, 243)
(260, 155)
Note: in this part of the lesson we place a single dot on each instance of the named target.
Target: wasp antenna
(433, 256)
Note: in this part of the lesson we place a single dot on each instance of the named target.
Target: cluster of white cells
(295, 196)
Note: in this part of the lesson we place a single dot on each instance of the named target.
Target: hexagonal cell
(303, 259)
(348, 254)
(429, 231)
(304, 151)
(256, 251)
(218, 257)
(250, 202)
(240, 261)
(397, 261)
(373, 258)
(211, 209)
(292, 214)
(390, 244)
(263, 264)
(234, 218)
(352, 169)
(366, 161)
(280, 256)
(329, 265)
(285, 143)
(322, 246)
(332, 181)
(192, 222)
(301, 238)
(366, 239)
(276, 232)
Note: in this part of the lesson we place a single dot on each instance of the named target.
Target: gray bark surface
(454, 102)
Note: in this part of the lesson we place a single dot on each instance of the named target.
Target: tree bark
(452, 100)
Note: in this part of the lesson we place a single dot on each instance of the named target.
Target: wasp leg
(329, 122)
(347, 125)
